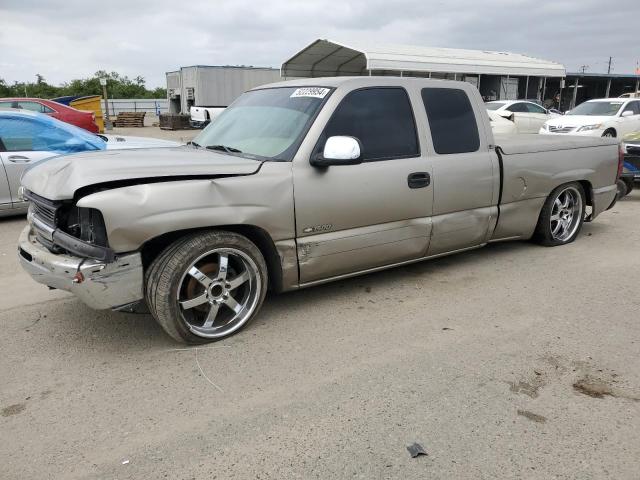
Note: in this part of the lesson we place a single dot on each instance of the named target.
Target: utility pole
(107, 121)
(609, 68)
(584, 68)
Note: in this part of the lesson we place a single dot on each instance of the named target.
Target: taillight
(620, 161)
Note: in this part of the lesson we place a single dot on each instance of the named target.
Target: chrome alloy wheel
(219, 292)
(565, 214)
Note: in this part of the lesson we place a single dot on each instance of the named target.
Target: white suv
(604, 117)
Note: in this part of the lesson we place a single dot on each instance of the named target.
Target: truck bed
(533, 165)
(517, 144)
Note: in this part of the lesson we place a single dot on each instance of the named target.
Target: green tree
(118, 86)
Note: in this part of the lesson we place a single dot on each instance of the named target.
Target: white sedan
(500, 125)
(604, 117)
(527, 116)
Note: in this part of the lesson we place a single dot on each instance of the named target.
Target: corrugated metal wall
(219, 86)
(173, 80)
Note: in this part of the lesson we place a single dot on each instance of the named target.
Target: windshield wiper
(223, 148)
(194, 144)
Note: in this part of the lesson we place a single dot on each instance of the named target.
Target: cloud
(66, 40)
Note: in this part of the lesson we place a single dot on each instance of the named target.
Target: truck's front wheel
(206, 286)
(562, 216)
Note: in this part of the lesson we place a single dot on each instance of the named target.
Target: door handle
(418, 180)
(19, 159)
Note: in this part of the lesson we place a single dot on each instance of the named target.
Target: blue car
(27, 137)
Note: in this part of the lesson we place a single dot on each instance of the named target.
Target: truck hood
(58, 178)
(578, 120)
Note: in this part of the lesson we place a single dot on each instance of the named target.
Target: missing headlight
(87, 225)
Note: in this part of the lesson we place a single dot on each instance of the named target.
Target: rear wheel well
(152, 248)
(588, 193)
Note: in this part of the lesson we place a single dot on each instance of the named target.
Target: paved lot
(474, 356)
(155, 132)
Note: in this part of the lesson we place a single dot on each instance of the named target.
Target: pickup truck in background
(202, 116)
(300, 183)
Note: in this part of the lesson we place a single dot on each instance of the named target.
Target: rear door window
(518, 107)
(35, 107)
(381, 118)
(451, 119)
(533, 108)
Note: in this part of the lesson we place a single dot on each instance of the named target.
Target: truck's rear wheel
(562, 215)
(206, 286)
(622, 187)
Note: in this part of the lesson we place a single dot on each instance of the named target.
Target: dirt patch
(599, 388)
(13, 409)
(532, 416)
(592, 387)
(530, 389)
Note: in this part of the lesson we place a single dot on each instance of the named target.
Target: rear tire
(623, 189)
(206, 286)
(562, 216)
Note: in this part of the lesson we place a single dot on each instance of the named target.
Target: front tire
(562, 216)
(206, 286)
(610, 133)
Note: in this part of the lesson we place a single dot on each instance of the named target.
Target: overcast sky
(66, 39)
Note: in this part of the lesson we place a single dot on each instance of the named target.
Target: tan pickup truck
(299, 183)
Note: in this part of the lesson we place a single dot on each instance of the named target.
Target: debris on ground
(416, 450)
(593, 387)
(529, 389)
(532, 416)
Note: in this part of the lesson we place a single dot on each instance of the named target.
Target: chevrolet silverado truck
(296, 184)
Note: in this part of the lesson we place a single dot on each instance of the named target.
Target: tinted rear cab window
(451, 120)
(381, 118)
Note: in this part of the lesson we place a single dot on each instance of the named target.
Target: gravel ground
(512, 361)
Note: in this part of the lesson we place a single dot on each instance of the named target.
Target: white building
(213, 86)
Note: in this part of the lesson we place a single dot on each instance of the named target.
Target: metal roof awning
(326, 58)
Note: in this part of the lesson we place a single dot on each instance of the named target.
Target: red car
(79, 118)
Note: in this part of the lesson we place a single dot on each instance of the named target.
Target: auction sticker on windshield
(314, 92)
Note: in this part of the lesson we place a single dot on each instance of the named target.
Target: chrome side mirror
(339, 150)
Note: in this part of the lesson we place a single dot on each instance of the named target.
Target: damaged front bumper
(99, 284)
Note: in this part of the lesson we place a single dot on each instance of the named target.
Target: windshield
(494, 105)
(596, 109)
(266, 123)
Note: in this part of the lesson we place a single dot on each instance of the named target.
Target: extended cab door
(351, 218)
(466, 174)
